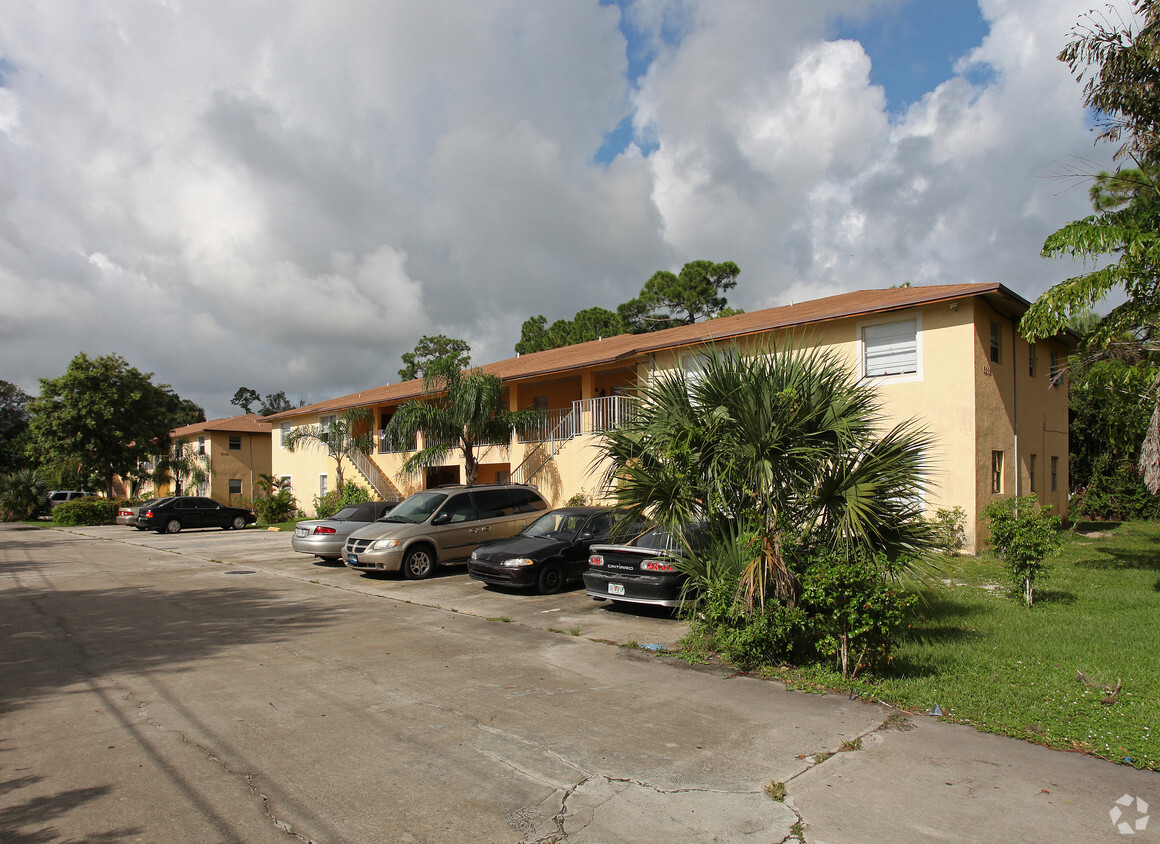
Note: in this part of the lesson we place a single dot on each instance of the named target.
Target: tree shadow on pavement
(55, 637)
(39, 812)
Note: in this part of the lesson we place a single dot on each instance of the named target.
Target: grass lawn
(987, 661)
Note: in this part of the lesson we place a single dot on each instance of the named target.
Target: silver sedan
(325, 537)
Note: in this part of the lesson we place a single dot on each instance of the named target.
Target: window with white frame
(201, 445)
(285, 433)
(322, 486)
(324, 423)
(891, 349)
(287, 482)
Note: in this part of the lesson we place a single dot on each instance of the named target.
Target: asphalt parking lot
(216, 686)
(450, 588)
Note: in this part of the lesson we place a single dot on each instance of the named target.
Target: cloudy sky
(288, 194)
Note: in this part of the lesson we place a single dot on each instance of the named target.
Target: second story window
(890, 349)
(236, 442)
(1031, 359)
(996, 343)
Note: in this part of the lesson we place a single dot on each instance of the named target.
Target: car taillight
(596, 560)
(148, 514)
(652, 565)
(326, 530)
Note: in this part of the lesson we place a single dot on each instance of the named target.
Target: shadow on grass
(1121, 559)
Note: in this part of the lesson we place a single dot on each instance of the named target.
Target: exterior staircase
(379, 482)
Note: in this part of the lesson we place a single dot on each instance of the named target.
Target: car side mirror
(441, 519)
(586, 536)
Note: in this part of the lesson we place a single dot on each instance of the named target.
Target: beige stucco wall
(245, 464)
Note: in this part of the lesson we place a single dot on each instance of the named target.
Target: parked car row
(174, 514)
(508, 537)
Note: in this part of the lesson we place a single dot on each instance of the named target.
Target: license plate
(351, 560)
(301, 532)
(615, 588)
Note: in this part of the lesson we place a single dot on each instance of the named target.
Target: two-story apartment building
(232, 453)
(949, 355)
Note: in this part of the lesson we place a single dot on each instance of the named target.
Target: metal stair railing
(379, 483)
(558, 437)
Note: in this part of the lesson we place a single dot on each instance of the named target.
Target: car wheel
(139, 527)
(418, 564)
(173, 526)
(238, 523)
(551, 579)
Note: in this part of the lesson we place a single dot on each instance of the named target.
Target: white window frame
(324, 423)
(285, 433)
(289, 479)
(900, 377)
(322, 484)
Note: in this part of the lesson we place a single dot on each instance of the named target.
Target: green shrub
(278, 507)
(22, 496)
(1023, 535)
(950, 528)
(85, 511)
(853, 609)
(1115, 492)
(336, 499)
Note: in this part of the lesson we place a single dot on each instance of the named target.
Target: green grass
(989, 662)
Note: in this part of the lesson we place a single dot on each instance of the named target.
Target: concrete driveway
(214, 686)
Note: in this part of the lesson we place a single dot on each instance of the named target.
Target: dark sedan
(172, 515)
(127, 513)
(550, 551)
(643, 571)
(324, 538)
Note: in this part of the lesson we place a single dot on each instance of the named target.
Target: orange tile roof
(626, 347)
(249, 423)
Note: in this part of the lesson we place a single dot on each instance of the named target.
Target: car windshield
(556, 525)
(418, 508)
(665, 540)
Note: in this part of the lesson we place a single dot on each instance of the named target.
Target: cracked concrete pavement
(214, 686)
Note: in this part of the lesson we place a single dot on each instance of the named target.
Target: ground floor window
(1055, 474)
(235, 486)
(996, 472)
(322, 486)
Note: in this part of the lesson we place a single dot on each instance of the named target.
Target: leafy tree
(345, 437)
(462, 412)
(13, 426)
(102, 416)
(696, 293)
(276, 403)
(667, 299)
(245, 398)
(784, 445)
(1024, 535)
(430, 349)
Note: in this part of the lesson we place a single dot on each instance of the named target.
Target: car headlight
(384, 544)
(516, 562)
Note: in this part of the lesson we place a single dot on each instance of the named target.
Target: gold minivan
(442, 525)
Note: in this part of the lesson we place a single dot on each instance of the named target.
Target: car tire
(173, 526)
(238, 523)
(419, 564)
(551, 579)
(139, 527)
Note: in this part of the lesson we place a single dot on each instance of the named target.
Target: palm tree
(464, 411)
(346, 435)
(782, 446)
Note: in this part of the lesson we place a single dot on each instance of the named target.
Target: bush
(1024, 535)
(1115, 492)
(279, 507)
(85, 511)
(336, 499)
(950, 528)
(853, 611)
(22, 496)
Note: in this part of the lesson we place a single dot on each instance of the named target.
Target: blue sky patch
(913, 45)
